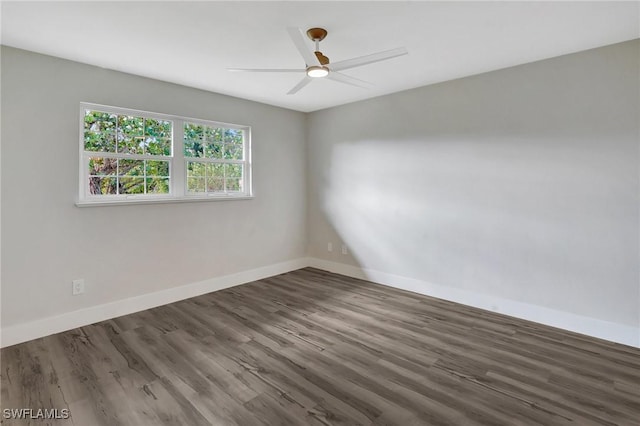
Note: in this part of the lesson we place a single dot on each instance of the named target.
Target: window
(214, 159)
(135, 156)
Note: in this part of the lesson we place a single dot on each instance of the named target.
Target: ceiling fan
(317, 65)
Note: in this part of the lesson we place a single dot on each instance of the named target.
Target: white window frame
(177, 162)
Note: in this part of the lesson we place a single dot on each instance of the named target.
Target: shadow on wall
(534, 220)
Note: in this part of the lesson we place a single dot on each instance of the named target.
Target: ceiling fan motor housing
(321, 58)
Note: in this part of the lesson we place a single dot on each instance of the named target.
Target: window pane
(234, 185)
(159, 129)
(215, 177)
(129, 125)
(130, 167)
(195, 169)
(157, 168)
(99, 131)
(215, 184)
(131, 185)
(158, 185)
(193, 140)
(233, 151)
(130, 134)
(233, 170)
(213, 134)
(195, 184)
(214, 150)
(157, 146)
(213, 137)
(131, 145)
(233, 136)
(102, 185)
(215, 170)
(100, 166)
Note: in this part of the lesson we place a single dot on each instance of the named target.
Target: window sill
(128, 201)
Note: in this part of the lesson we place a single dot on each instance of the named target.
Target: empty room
(320, 213)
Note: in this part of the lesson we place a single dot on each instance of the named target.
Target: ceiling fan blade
(265, 70)
(347, 79)
(367, 59)
(306, 80)
(299, 40)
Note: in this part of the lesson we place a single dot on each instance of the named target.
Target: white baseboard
(46, 326)
(614, 332)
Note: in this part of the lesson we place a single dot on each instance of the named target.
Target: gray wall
(124, 251)
(520, 183)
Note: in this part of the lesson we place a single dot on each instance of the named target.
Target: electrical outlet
(329, 246)
(77, 287)
(344, 249)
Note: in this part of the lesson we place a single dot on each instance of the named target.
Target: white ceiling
(192, 43)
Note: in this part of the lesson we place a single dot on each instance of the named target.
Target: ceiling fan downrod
(317, 35)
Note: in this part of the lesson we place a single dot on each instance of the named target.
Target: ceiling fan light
(317, 71)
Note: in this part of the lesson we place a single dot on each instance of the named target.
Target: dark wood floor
(310, 347)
